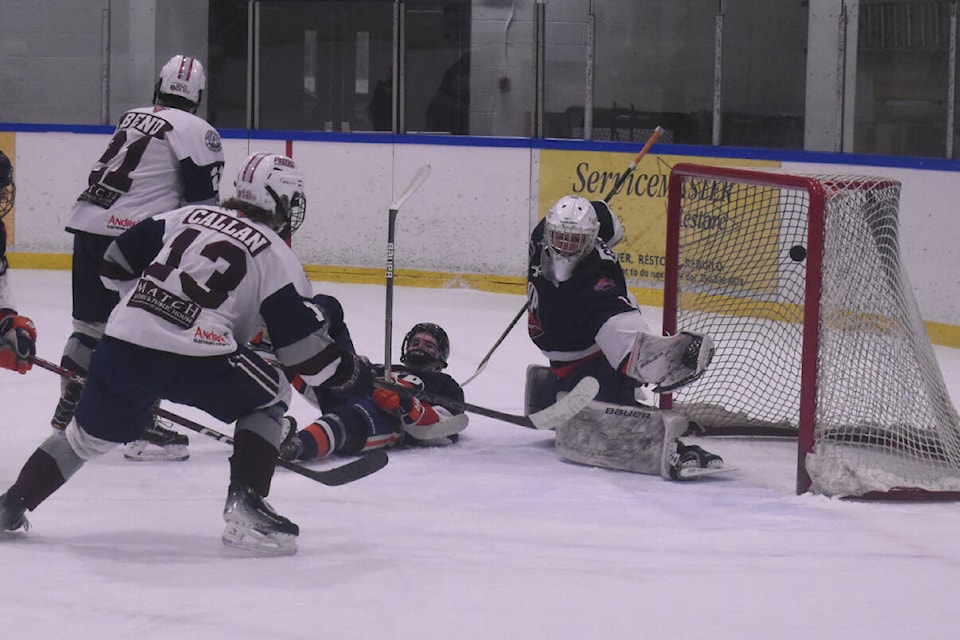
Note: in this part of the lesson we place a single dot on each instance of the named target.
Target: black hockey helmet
(417, 355)
(8, 190)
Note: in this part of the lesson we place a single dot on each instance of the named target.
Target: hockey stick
(503, 336)
(557, 413)
(353, 470)
(633, 165)
(422, 174)
(616, 187)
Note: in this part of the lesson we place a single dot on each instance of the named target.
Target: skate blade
(692, 473)
(237, 536)
(142, 451)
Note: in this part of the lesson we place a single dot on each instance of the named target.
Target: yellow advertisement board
(641, 204)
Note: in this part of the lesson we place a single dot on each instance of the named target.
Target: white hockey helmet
(181, 77)
(272, 182)
(571, 228)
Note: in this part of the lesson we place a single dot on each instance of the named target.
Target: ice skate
(253, 525)
(12, 516)
(692, 461)
(291, 449)
(158, 444)
(291, 446)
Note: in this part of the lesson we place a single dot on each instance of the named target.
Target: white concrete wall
(472, 216)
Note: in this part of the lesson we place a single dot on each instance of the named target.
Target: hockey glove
(399, 402)
(353, 376)
(18, 341)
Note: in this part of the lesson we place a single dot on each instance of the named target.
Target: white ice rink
(494, 538)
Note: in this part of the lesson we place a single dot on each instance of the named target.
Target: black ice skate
(253, 525)
(158, 444)
(12, 512)
(290, 446)
(691, 461)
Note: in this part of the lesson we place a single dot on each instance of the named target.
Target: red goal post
(799, 281)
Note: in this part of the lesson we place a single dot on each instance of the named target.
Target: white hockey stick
(562, 410)
(444, 428)
(422, 174)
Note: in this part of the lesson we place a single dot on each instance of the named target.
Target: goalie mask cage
(798, 279)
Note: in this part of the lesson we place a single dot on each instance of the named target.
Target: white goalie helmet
(182, 77)
(570, 233)
(273, 182)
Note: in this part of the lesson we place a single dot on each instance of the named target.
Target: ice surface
(493, 538)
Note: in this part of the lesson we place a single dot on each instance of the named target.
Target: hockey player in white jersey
(197, 284)
(160, 157)
(18, 335)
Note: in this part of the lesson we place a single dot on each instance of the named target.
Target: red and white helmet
(183, 77)
(273, 182)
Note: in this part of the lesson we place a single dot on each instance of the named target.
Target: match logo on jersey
(154, 299)
(212, 140)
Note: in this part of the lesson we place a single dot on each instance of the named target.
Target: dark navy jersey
(563, 318)
(430, 383)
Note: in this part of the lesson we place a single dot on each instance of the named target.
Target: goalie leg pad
(633, 438)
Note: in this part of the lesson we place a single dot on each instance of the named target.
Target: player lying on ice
(584, 320)
(354, 423)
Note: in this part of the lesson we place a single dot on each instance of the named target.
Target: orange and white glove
(18, 341)
(404, 405)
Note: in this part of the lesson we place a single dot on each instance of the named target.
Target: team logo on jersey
(120, 223)
(604, 284)
(154, 299)
(212, 139)
(203, 336)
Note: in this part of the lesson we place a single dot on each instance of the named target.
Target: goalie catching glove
(18, 341)
(669, 362)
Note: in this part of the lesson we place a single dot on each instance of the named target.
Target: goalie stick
(557, 413)
(353, 470)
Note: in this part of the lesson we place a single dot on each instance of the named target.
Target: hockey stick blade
(422, 174)
(353, 470)
(443, 429)
(562, 410)
(486, 358)
(568, 406)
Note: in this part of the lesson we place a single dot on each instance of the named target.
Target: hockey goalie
(584, 320)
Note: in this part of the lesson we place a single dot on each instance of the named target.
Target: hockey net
(798, 279)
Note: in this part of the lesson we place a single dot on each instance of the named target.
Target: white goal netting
(799, 281)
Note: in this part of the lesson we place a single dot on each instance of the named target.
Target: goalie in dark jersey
(584, 320)
(355, 423)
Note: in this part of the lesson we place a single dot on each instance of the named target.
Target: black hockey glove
(353, 377)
